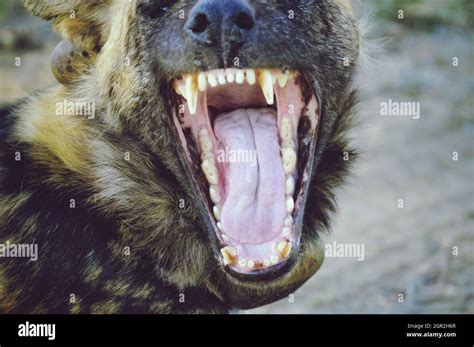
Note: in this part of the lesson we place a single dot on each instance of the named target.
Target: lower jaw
(297, 115)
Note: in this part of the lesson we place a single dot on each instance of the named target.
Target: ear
(84, 27)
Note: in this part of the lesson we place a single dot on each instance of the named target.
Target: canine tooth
(214, 193)
(202, 83)
(212, 80)
(250, 73)
(250, 264)
(283, 78)
(288, 221)
(217, 212)
(288, 156)
(290, 185)
(210, 171)
(242, 262)
(286, 130)
(229, 254)
(290, 205)
(274, 259)
(180, 89)
(205, 140)
(283, 248)
(191, 92)
(265, 80)
(230, 77)
(221, 79)
(286, 232)
(239, 77)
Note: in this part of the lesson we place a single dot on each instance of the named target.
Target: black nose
(213, 21)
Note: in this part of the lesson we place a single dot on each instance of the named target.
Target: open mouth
(248, 138)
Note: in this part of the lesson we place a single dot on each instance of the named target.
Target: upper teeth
(194, 83)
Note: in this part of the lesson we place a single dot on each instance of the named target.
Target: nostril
(199, 23)
(244, 20)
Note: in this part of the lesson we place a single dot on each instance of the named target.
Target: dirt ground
(425, 250)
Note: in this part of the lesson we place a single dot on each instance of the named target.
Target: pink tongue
(254, 207)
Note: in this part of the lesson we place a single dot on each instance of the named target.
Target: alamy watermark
(400, 108)
(231, 155)
(20, 250)
(75, 108)
(345, 250)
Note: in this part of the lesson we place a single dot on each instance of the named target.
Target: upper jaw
(277, 86)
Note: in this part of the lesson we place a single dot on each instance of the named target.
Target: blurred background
(419, 258)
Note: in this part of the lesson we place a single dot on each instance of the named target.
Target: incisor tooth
(191, 92)
(230, 77)
(217, 212)
(210, 171)
(290, 205)
(214, 193)
(205, 140)
(239, 77)
(202, 83)
(283, 248)
(290, 185)
(221, 79)
(288, 156)
(212, 80)
(266, 82)
(283, 78)
(250, 73)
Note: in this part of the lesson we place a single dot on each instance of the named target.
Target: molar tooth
(208, 155)
(283, 78)
(221, 79)
(250, 73)
(286, 129)
(290, 205)
(210, 171)
(288, 221)
(286, 232)
(251, 264)
(191, 92)
(274, 259)
(205, 140)
(290, 185)
(214, 193)
(221, 229)
(265, 80)
(217, 212)
(266, 262)
(239, 77)
(202, 83)
(212, 80)
(288, 156)
(284, 248)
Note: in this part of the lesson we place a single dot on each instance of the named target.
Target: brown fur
(135, 204)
